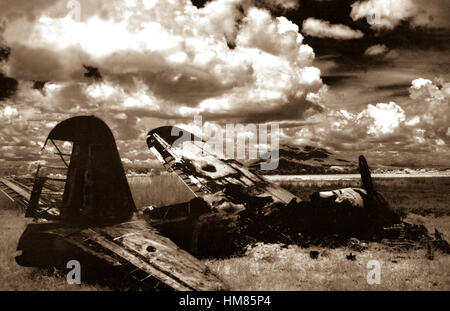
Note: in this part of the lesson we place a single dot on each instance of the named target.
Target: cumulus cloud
(385, 118)
(158, 60)
(180, 59)
(387, 132)
(431, 107)
(390, 13)
(374, 121)
(377, 49)
(324, 29)
(15, 141)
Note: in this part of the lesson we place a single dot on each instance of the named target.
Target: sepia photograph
(242, 147)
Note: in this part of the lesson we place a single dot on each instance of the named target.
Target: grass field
(273, 266)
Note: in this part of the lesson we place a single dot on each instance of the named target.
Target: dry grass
(159, 190)
(15, 277)
(272, 267)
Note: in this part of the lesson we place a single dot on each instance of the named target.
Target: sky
(365, 77)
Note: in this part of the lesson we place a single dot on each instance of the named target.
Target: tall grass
(159, 190)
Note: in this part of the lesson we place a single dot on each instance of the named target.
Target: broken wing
(151, 255)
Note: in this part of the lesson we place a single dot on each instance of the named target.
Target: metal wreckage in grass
(97, 223)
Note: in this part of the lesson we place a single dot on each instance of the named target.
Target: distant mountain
(311, 160)
(307, 160)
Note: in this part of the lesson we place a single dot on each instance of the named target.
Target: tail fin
(96, 189)
(365, 174)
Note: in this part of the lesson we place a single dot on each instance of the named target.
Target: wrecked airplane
(235, 207)
(97, 222)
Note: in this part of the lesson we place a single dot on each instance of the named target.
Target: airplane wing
(132, 246)
(204, 173)
(14, 192)
(20, 190)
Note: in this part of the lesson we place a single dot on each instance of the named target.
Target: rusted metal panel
(140, 245)
(22, 192)
(148, 246)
